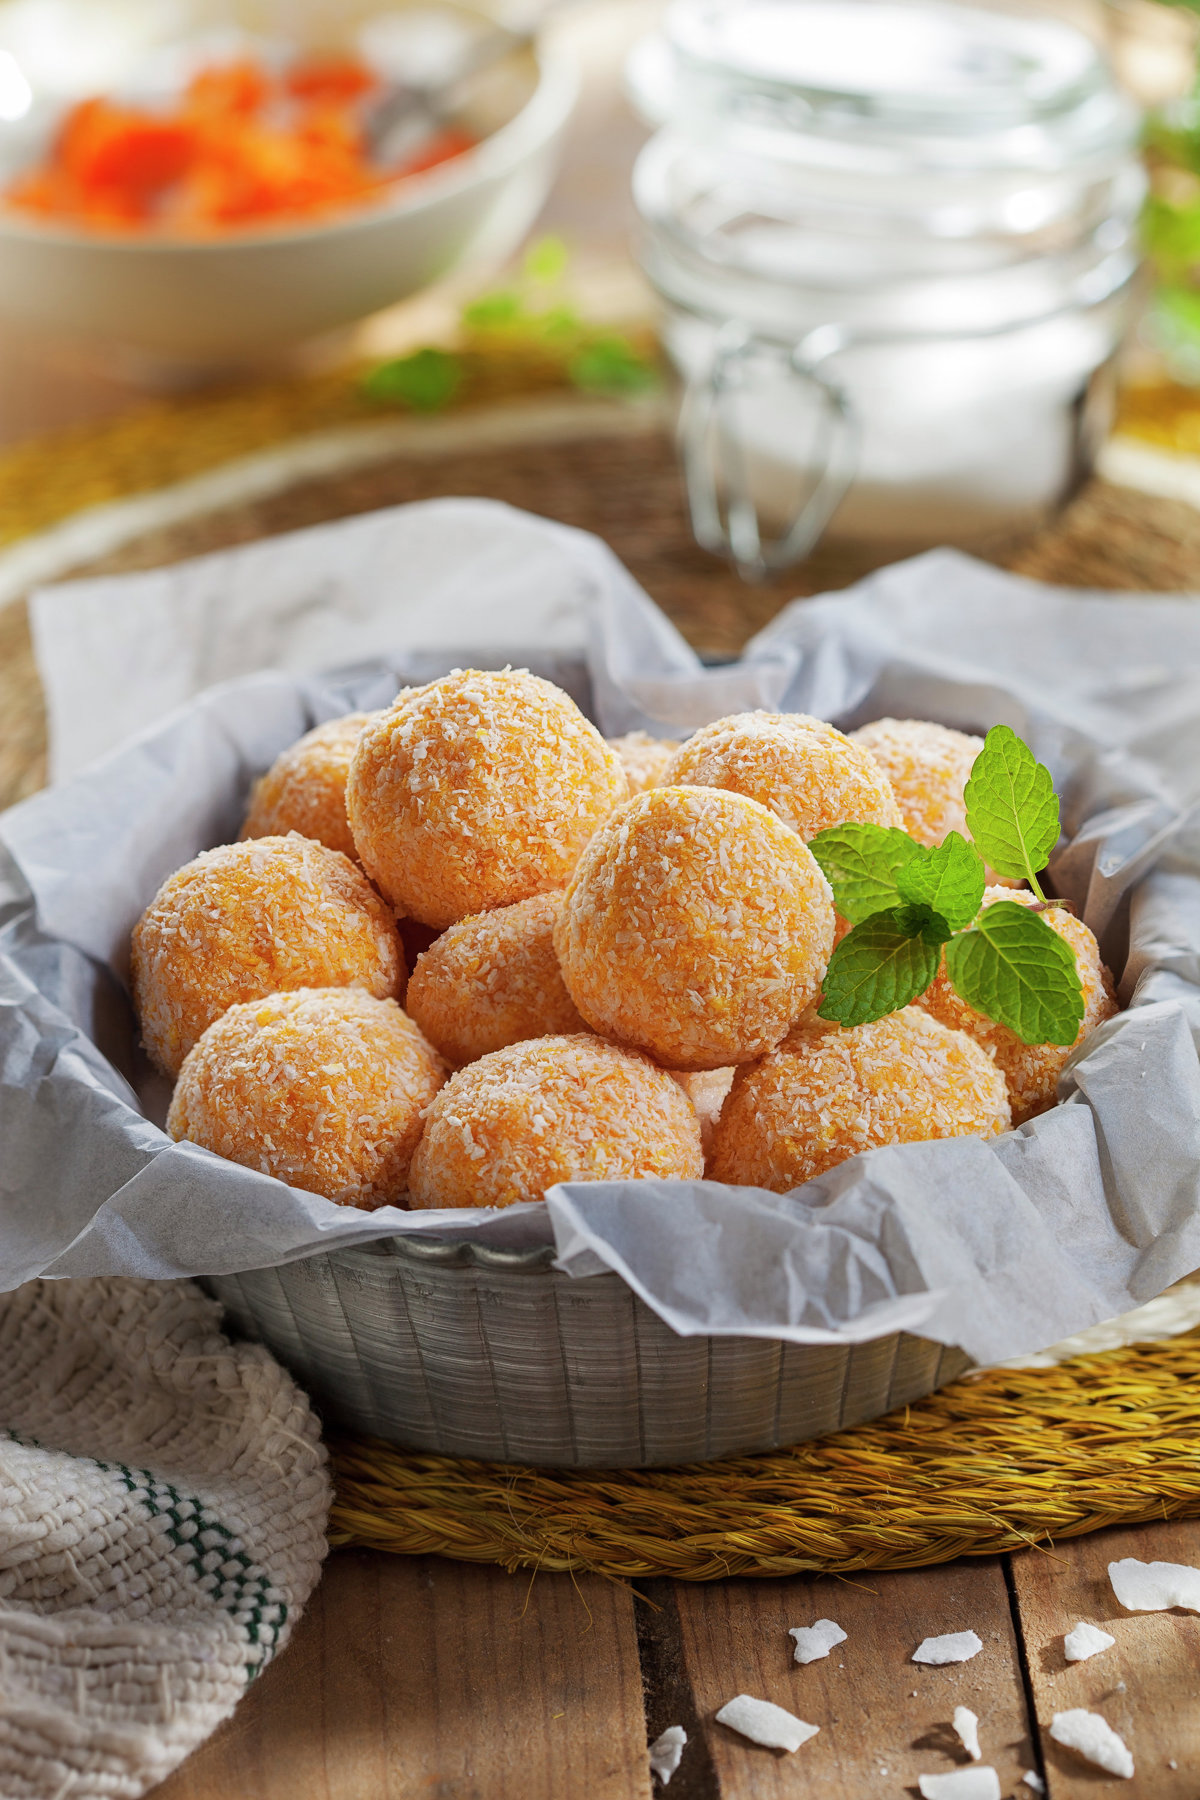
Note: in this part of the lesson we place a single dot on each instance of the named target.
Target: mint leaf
(1012, 810)
(949, 879)
(487, 311)
(427, 380)
(1015, 968)
(546, 260)
(860, 863)
(882, 964)
(611, 365)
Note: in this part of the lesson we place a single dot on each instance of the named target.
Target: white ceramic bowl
(237, 297)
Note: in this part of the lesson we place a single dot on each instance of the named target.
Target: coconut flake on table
(666, 1751)
(952, 1647)
(765, 1723)
(1155, 1586)
(1093, 1738)
(1084, 1641)
(966, 1724)
(978, 1783)
(1033, 1780)
(814, 1641)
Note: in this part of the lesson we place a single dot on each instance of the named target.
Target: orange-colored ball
(1031, 1070)
(322, 1088)
(553, 1109)
(808, 773)
(493, 980)
(927, 766)
(643, 758)
(251, 919)
(828, 1093)
(697, 927)
(477, 791)
(304, 790)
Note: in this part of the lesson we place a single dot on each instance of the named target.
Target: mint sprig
(860, 863)
(1015, 968)
(905, 901)
(1012, 809)
(949, 879)
(883, 964)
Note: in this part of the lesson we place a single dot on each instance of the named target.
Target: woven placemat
(625, 487)
(992, 1462)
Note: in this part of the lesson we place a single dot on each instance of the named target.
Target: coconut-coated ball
(1031, 1070)
(250, 919)
(552, 1109)
(806, 771)
(928, 766)
(304, 790)
(477, 791)
(643, 758)
(492, 980)
(323, 1088)
(697, 927)
(828, 1093)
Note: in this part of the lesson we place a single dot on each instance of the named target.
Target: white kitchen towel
(163, 1503)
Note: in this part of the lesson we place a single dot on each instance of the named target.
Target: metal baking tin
(466, 1350)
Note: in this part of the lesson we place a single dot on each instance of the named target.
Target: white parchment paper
(1000, 1247)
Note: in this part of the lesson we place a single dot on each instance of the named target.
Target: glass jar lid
(966, 82)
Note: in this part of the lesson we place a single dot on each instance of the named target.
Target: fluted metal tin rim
(466, 1253)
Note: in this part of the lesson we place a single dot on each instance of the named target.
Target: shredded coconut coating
(928, 766)
(493, 980)
(707, 1089)
(476, 792)
(697, 927)
(1031, 1070)
(304, 790)
(552, 1109)
(324, 1088)
(828, 1093)
(806, 771)
(643, 758)
(250, 919)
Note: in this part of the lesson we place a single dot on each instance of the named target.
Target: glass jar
(895, 240)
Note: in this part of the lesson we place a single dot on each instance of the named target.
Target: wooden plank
(884, 1719)
(413, 1675)
(1147, 1686)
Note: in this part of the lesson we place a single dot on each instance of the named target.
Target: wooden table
(421, 1677)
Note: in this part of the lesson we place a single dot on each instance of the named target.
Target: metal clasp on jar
(725, 515)
(765, 504)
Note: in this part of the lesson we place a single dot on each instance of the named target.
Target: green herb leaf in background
(427, 380)
(882, 965)
(949, 879)
(1012, 809)
(1015, 968)
(546, 261)
(530, 326)
(860, 863)
(609, 364)
(491, 312)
